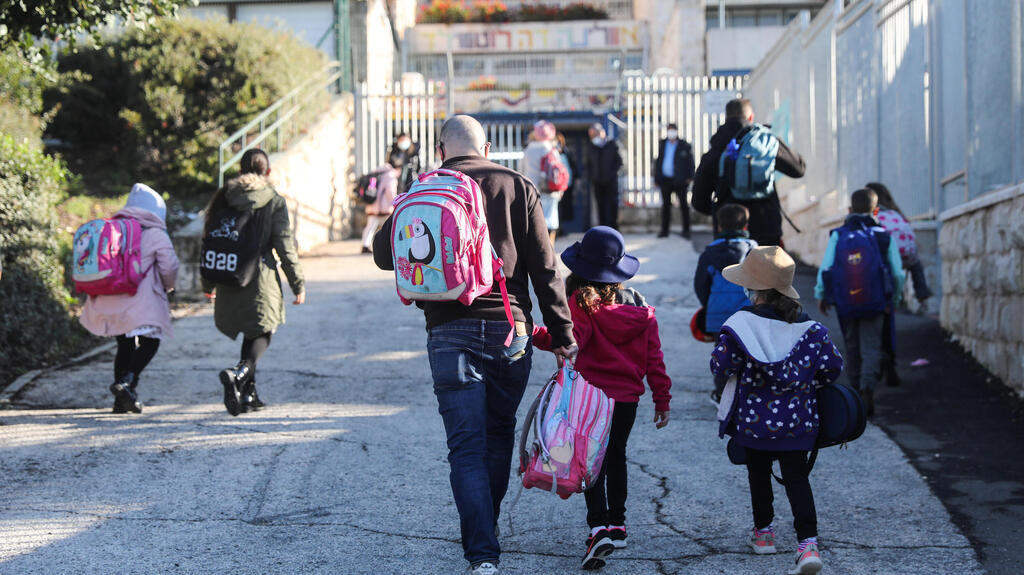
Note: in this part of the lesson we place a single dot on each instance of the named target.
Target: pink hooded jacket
(387, 187)
(110, 315)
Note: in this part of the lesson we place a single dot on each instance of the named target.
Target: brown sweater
(519, 235)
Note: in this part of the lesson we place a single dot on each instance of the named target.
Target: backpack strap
(810, 466)
(499, 276)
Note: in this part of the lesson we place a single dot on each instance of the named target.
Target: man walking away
(861, 275)
(478, 381)
(765, 211)
(673, 172)
(603, 163)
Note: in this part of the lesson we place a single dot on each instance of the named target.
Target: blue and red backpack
(860, 283)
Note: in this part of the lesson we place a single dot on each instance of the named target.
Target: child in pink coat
(619, 347)
(138, 321)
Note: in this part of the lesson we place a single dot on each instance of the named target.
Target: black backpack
(232, 248)
(366, 187)
(841, 419)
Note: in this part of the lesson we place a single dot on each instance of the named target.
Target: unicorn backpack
(570, 420)
(440, 244)
(108, 257)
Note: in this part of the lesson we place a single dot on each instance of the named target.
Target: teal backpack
(748, 166)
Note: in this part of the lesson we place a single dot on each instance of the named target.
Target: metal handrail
(297, 98)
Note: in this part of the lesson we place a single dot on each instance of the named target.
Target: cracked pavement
(346, 471)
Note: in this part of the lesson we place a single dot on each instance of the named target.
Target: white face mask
(672, 134)
(598, 140)
(404, 144)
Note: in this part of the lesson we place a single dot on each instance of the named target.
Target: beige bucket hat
(766, 267)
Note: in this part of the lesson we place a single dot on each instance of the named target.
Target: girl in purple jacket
(775, 358)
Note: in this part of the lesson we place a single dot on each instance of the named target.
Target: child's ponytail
(590, 295)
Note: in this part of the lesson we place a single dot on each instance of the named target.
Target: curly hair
(590, 295)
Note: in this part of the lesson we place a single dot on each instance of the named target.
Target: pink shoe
(808, 561)
(762, 541)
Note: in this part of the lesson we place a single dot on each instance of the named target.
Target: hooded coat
(772, 404)
(119, 314)
(258, 307)
(619, 346)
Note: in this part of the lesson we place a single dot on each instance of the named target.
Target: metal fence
(926, 96)
(412, 108)
(695, 104)
(280, 123)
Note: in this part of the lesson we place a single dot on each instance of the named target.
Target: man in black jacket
(673, 172)
(603, 163)
(478, 381)
(765, 214)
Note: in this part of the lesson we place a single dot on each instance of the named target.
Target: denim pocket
(453, 364)
(518, 348)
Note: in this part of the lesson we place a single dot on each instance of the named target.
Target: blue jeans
(479, 384)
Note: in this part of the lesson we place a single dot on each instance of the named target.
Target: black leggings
(610, 509)
(253, 348)
(798, 489)
(132, 357)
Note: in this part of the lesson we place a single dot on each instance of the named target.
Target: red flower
(404, 268)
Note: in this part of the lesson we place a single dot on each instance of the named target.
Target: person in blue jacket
(861, 274)
(719, 298)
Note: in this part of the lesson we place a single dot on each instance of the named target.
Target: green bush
(157, 102)
(21, 95)
(37, 327)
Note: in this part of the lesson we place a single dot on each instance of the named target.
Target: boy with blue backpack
(720, 298)
(861, 275)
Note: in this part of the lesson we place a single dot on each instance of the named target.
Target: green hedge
(154, 104)
(36, 327)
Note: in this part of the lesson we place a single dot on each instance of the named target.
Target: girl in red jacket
(619, 345)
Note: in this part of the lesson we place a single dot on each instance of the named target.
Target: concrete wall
(315, 175)
(926, 96)
(739, 48)
(982, 245)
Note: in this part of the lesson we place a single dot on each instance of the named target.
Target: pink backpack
(440, 244)
(556, 175)
(571, 420)
(108, 257)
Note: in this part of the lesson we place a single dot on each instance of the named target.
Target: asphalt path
(346, 472)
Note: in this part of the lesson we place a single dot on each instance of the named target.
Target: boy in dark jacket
(718, 297)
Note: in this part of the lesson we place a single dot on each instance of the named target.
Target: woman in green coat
(256, 309)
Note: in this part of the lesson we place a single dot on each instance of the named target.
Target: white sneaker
(762, 543)
(808, 561)
(485, 568)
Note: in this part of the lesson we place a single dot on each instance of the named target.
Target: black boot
(250, 399)
(125, 398)
(233, 379)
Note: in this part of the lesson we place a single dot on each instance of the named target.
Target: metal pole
(449, 90)
(342, 44)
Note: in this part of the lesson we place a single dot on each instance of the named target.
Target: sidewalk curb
(26, 379)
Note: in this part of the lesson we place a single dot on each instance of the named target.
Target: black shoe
(686, 235)
(889, 374)
(233, 379)
(599, 546)
(618, 537)
(367, 250)
(662, 234)
(250, 399)
(125, 399)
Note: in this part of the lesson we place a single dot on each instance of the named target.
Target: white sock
(593, 531)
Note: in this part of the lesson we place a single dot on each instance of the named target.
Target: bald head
(462, 135)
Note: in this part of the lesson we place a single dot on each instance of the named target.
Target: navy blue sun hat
(601, 257)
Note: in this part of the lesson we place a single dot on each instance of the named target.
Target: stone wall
(982, 247)
(314, 175)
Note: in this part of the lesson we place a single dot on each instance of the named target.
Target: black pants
(607, 198)
(133, 357)
(609, 507)
(798, 489)
(253, 348)
(666, 206)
